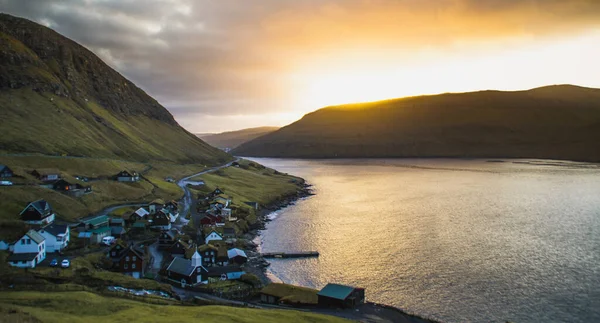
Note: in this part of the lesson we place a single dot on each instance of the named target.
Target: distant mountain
(58, 98)
(554, 122)
(233, 139)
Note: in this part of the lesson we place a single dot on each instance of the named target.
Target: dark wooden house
(38, 212)
(237, 256)
(127, 176)
(128, 260)
(5, 172)
(209, 254)
(166, 239)
(341, 296)
(179, 248)
(46, 174)
(161, 220)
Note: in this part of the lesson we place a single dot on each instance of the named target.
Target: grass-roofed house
(341, 296)
(38, 212)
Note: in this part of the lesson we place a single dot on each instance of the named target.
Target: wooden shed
(341, 296)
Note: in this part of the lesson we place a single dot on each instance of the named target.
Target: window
(126, 266)
(114, 253)
(28, 241)
(40, 248)
(134, 258)
(127, 258)
(133, 266)
(23, 241)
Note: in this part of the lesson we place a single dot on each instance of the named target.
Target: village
(156, 241)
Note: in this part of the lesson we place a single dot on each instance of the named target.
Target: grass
(106, 192)
(89, 307)
(291, 294)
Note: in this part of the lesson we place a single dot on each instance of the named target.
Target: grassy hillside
(233, 139)
(58, 98)
(106, 192)
(89, 307)
(556, 122)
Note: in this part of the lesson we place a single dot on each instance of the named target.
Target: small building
(222, 259)
(117, 227)
(46, 174)
(224, 273)
(38, 212)
(128, 261)
(187, 272)
(28, 251)
(341, 296)
(97, 226)
(213, 235)
(161, 220)
(6, 172)
(229, 233)
(166, 239)
(237, 256)
(179, 248)
(127, 176)
(57, 237)
(156, 205)
(216, 192)
(74, 190)
(209, 254)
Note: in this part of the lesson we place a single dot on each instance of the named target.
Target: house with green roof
(341, 296)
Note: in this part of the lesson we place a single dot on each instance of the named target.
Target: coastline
(259, 266)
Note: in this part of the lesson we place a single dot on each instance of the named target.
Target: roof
(116, 221)
(235, 252)
(141, 212)
(126, 173)
(101, 230)
(38, 238)
(336, 291)
(55, 229)
(190, 252)
(139, 225)
(47, 171)
(96, 220)
(206, 247)
(228, 230)
(41, 206)
(182, 266)
(22, 257)
(85, 234)
(220, 270)
(158, 202)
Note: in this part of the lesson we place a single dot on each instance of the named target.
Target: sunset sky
(225, 65)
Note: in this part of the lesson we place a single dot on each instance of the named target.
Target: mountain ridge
(72, 103)
(554, 122)
(232, 139)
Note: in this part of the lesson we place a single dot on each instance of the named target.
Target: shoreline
(259, 266)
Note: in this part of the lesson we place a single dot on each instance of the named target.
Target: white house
(57, 237)
(213, 236)
(4, 245)
(28, 251)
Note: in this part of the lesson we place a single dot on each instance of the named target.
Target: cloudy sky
(231, 64)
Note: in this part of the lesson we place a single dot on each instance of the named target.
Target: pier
(301, 254)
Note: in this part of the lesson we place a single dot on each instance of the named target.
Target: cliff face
(70, 102)
(555, 122)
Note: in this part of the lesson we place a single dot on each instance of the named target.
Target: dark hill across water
(58, 98)
(554, 122)
(232, 139)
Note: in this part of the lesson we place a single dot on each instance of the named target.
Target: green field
(106, 192)
(89, 307)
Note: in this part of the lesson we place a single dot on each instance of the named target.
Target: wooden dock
(302, 254)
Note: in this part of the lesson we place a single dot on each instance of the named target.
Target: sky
(232, 64)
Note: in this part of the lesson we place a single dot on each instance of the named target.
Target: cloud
(233, 57)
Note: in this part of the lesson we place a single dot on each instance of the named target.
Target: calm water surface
(454, 240)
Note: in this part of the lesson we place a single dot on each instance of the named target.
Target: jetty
(300, 254)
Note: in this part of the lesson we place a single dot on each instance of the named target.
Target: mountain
(58, 98)
(233, 139)
(554, 122)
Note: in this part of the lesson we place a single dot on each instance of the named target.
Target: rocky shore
(256, 264)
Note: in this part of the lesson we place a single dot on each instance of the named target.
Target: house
(222, 259)
(169, 179)
(179, 248)
(214, 193)
(117, 227)
(74, 190)
(167, 238)
(138, 227)
(161, 220)
(213, 235)
(209, 254)
(237, 256)
(208, 219)
(229, 233)
(96, 227)
(172, 206)
(5, 172)
(156, 205)
(62, 185)
(4, 245)
(46, 175)
(38, 212)
(224, 273)
(57, 237)
(140, 214)
(335, 295)
(28, 251)
(128, 261)
(187, 272)
(127, 176)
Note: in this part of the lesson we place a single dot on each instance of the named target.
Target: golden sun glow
(374, 75)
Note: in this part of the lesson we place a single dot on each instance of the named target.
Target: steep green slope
(232, 139)
(555, 122)
(58, 98)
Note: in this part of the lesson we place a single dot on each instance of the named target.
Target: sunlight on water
(455, 240)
